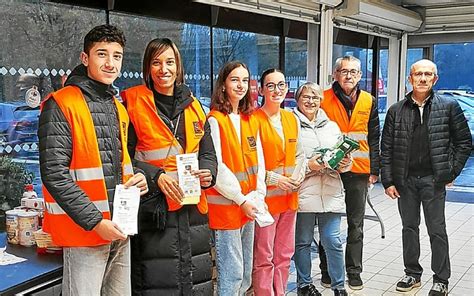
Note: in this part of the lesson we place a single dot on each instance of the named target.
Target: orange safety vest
(356, 127)
(85, 169)
(278, 159)
(157, 144)
(242, 160)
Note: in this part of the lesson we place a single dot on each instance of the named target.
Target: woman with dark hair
(240, 178)
(321, 195)
(171, 253)
(285, 166)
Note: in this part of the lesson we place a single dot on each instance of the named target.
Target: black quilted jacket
(449, 140)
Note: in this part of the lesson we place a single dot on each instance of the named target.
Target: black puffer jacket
(449, 140)
(55, 147)
(175, 260)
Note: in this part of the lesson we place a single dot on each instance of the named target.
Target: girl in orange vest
(171, 253)
(285, 168)
(240, 178)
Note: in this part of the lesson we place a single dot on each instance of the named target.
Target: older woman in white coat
(321, 195)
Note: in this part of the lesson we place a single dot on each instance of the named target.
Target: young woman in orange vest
(240, 178)
(279, 131)
(171, 253)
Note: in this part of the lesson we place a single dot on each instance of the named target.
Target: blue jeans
(329, 231)
(101, 270)
(234, 257)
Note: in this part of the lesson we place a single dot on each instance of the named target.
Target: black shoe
(342, 292)
(407, 283)
(309, 290)
(325, 280)
(438, 289)
(355, 282)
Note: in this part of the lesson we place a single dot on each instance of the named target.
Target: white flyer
(299, 170)
(263, 216)
(126, 203)
(190, 184)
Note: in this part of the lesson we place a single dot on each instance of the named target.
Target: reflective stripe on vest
(241, 177)
(55, 209)
(287, 171)
(218, 200)
(357, 136)
(157, 154)
(87, 174)
(156, 143)
(85, 170)
(360, 154)
(277, 192)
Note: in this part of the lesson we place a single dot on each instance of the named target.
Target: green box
(331, 157)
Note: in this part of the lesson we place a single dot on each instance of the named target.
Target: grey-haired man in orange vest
(356, 113)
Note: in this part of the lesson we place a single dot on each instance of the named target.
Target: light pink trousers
(274, 246)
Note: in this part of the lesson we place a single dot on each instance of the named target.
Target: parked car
(289, 104)
(18, 126)
(466, 101)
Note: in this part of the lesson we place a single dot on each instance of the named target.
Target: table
(36, 270)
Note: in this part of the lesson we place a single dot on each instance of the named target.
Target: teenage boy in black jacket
(83, 156)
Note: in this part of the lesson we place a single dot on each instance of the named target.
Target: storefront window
(296, 57)
(41, 43)
(192, 41)
(413, 55)
(365, 57)
(454, 62)
(259, 52)
(383, 80)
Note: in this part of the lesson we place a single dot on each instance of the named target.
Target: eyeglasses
(272, 86)
(344, 72)
(418, 75)
(306, 98)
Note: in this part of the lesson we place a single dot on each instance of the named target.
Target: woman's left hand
(204, 176)
(314, 164)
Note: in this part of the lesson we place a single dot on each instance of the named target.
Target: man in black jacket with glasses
(425, 144)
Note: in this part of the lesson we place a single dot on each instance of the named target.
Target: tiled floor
(383, 263)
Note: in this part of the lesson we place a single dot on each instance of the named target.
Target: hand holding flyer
(190, 184)
(263, 217)
(126, 203)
